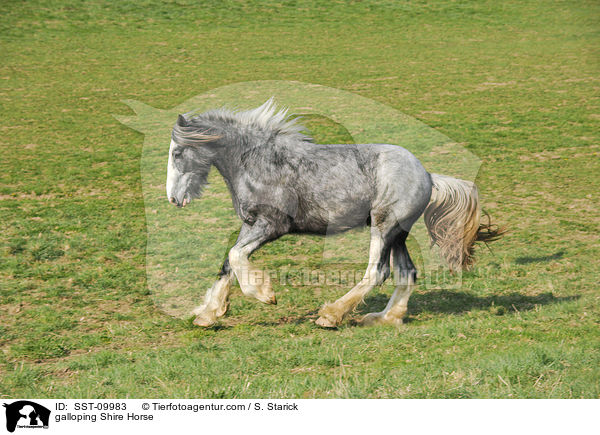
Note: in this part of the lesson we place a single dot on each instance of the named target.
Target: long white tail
(453, 220)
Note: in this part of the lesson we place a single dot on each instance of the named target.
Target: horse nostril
(172, 200)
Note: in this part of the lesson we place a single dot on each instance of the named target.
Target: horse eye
(177, 154)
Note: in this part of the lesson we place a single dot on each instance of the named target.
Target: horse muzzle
(179, 204)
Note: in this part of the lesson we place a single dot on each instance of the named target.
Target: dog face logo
(26, 414)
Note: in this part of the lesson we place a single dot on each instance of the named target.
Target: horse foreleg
(331, 315)
(253, 282)
(216, 300)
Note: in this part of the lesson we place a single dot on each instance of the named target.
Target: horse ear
(181, 121)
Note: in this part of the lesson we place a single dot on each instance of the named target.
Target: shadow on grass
(189, 323)
(541, 259)
(296, 320)
(454, 302)
(437, 301)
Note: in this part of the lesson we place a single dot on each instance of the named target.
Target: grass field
(516, 83)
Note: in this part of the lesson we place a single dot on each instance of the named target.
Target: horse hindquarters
(403, 191)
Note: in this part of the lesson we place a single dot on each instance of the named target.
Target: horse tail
(453, 219)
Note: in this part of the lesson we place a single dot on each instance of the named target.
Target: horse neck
(237, 150)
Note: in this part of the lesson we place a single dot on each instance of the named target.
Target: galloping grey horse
(282, 182)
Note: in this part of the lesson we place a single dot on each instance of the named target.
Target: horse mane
(195, 129)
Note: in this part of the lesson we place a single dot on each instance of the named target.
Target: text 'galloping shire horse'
(282, 182)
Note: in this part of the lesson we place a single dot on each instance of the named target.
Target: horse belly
(332, 218)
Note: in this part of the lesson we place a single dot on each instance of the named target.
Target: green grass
(515, 83)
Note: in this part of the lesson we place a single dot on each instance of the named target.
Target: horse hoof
(269, 300)
(324, 322)
(372, 319)
(205, 321)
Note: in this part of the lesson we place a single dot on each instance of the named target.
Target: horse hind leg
(405, 275)
(331, 315)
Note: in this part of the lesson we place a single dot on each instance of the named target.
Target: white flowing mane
(267, 117)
